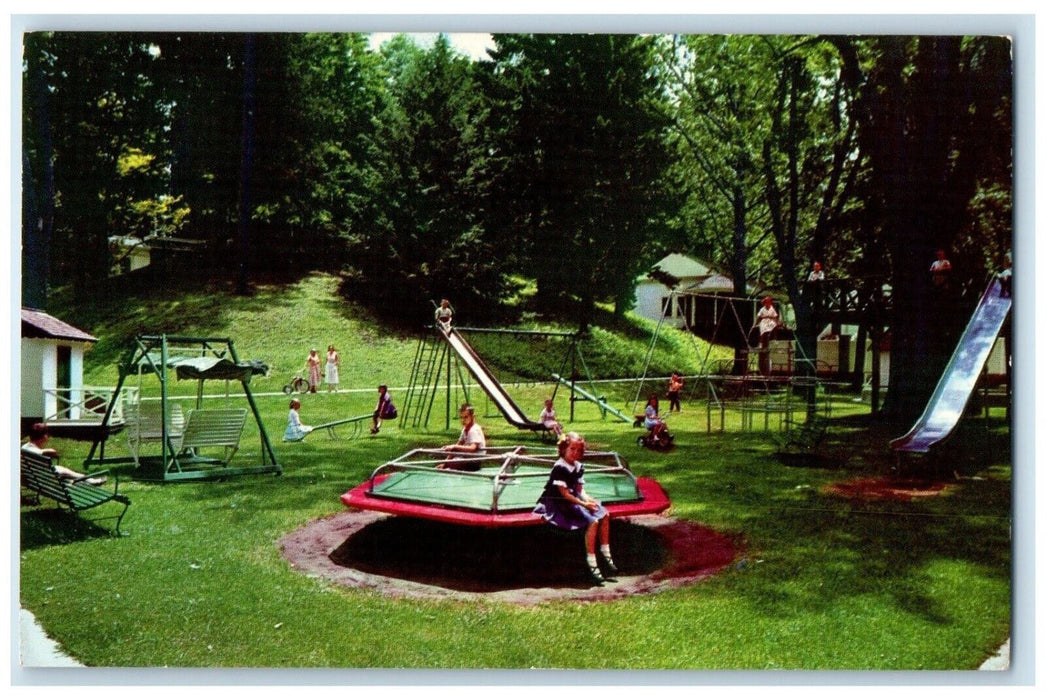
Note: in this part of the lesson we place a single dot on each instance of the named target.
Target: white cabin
(654, 297)
(52, 368)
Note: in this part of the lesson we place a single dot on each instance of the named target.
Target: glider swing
(185, 436)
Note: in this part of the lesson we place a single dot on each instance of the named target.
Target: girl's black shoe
(596, 576)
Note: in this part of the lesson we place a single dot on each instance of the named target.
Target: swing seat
(144, 424)
(214, 427)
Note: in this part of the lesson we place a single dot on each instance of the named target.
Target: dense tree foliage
(574, 161)
(766, 148)
(94, 148)
(427, 240)
(934, 117)
(583, 161)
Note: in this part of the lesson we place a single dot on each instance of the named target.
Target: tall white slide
(948, 401)
(478, 369)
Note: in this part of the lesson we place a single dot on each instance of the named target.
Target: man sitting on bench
(38, 437)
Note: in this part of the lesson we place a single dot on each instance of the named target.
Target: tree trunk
(243, 232)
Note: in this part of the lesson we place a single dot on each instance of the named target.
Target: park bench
(40, 477)
(213, 427)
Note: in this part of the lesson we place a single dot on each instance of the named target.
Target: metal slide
(948, 401)
(490, 385)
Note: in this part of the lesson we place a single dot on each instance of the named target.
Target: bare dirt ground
(403, 557)
(888, 488)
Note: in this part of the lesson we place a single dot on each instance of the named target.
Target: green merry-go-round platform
(497, 488)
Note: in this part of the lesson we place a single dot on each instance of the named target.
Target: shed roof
(714, 282)
(38, 324)
(682, 266)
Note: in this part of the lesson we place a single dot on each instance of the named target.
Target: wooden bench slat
(39, 476)
(214, 428)
(86, 496)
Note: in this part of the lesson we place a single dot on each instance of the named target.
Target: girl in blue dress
(295, 430)
(565, 504)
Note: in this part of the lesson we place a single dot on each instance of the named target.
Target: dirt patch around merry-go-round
(888, 488)
(407, 557)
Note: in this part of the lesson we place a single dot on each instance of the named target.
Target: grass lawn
(826, 583)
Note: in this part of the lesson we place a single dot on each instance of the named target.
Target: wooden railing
(849, 299)
(87, 403)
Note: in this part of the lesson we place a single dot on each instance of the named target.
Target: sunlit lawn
(822, 582)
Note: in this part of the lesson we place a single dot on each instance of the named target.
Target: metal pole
(447, 422)
(573, 373)
(513, 331)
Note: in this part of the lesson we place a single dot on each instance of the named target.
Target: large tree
(428, 239)
(93, 124)
(766, 149)
(582, 162)
(722, 86)
(934, 115)
(810, 166)
(236, 124)
(335, 172)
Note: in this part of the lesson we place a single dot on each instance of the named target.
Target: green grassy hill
(278, 324)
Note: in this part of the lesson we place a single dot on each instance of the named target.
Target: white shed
(52, 368)
(653, 295)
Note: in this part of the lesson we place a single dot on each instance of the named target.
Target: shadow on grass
(491, 559)
(44, 526)
(816, 549)
(876, 547)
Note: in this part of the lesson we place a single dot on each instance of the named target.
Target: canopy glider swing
(196, 444)
(498, 488)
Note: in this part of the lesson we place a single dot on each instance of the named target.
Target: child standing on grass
(312, 367)
(333, 364)
(675, 385)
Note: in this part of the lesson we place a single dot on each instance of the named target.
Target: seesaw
(355, 423)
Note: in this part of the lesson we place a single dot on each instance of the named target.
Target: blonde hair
(565, 439)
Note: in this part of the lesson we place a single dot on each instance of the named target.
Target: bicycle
(298, 384)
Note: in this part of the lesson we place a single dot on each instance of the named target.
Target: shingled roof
(37, 324)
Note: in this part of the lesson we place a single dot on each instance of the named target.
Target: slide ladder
(949, 399)
(421, 389)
